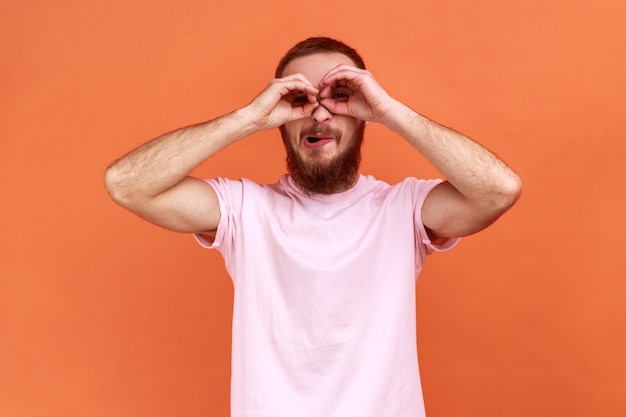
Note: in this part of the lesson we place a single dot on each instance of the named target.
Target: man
(324, 261)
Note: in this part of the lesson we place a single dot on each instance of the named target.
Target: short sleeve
(229, 199)
(421, 189)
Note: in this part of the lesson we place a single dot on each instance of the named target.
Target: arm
(479, 186)
(153, 181)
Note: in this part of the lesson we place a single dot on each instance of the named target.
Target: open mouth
(317, 140)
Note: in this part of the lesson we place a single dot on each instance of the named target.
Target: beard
(330, 176)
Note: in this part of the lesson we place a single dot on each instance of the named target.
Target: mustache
(323, 129)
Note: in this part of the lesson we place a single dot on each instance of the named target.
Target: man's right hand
(285, 99)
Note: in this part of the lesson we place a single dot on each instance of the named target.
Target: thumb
(333, 106)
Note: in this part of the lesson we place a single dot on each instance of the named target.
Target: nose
(321, 114)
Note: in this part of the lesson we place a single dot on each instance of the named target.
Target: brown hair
(318, 45)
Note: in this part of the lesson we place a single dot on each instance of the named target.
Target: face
(323, 150)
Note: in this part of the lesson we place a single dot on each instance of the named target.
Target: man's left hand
(351, 91)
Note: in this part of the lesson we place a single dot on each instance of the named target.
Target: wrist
(398, 116)
(246, 121)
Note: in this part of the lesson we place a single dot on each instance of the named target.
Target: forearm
(153, 181)
(473, 170)
(165, 161)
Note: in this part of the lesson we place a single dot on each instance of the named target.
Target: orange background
(102, 314)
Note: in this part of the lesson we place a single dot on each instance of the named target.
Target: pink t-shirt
(324, 308)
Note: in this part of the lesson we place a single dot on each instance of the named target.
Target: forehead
(315, 66)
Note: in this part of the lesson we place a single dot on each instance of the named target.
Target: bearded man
(324, 261)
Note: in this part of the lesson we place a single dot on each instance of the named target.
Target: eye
(299, 100)
(341, 94)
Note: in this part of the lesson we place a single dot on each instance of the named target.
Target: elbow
(115, 184)
(499, 200)
(514, 188)
(509, 192)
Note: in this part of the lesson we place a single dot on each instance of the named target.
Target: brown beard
(325, 177)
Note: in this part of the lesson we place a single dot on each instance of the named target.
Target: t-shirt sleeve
(229, 197)
(421, 189)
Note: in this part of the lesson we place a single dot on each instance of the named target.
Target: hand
(352, 91)
(285, 99)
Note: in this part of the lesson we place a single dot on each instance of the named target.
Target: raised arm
(479, 187)
(153, 180)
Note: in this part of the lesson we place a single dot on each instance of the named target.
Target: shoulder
(236, 194)
(419, 184)
(411, 187)
(241, 185)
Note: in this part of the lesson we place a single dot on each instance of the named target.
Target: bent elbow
(514, 188)
(114, 184)
(509, 192)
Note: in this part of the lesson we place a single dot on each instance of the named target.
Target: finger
(324, 92)
(338, 93)
(331, 106)
(301, 112)
(339, 108)
(343, 72)
(344, 67)
(340, 76)
(297, 76)
(297, 82)
(342, 89)
(296, 87)
(308, 109)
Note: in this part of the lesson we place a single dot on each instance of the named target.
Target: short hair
(318, 45)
